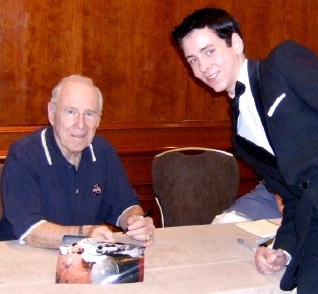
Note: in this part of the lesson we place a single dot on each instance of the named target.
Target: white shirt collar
(242, 77)
(47, 153)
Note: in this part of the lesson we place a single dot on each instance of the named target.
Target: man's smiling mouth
(79, 136)
(213, 76)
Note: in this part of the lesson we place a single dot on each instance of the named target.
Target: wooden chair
(191, 189)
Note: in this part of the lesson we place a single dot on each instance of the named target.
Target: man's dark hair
(221, 22)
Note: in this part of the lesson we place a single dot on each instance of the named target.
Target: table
(189, 259)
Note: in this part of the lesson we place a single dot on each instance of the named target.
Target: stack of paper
(261, 228)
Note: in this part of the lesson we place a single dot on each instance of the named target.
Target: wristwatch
(80, 231)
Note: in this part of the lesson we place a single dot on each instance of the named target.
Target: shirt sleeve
(21, 239)
(21, 195)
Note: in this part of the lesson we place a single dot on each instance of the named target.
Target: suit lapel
(253, 75)
(254, 78)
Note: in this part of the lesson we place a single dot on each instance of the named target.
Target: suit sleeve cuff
(288, 256)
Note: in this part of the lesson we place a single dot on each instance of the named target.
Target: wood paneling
(151, 100)
(124, 50)
(41, 42)
(125, 46)
(301, 22)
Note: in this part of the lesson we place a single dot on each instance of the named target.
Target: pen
(148, 213)
(241, 241)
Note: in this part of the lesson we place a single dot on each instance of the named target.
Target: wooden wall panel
(262, 24)
(302, 23)
(42, 42)
(151, 100)
(55, 51)
(125, 46)
(127, 49)
(13, 64)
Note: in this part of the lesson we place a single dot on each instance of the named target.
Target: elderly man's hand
(141, 229)
(102, 232)
(269, 261)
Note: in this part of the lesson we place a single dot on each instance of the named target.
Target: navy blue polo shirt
(38, 183)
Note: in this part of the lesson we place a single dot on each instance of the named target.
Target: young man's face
(212, 61)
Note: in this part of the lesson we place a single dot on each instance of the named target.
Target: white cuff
(21, 240)
(230, 217)
(117, 222)
(289, 257)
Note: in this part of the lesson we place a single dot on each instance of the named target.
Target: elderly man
(64, 180)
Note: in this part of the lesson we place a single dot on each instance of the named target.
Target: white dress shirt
(249, 124)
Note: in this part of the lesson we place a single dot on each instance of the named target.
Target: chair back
(191, 189)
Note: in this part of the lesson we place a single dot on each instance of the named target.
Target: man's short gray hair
(77, 79)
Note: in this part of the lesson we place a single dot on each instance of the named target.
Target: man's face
(212, 61)
(72, 136)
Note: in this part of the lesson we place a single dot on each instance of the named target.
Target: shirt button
(76, 191)
(304, 185)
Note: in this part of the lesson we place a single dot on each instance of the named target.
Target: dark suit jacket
(285, 89)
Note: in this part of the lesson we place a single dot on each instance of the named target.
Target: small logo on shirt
(97, 189)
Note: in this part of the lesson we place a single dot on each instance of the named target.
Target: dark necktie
(239, 90)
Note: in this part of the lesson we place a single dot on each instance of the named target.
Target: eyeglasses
(72, 114)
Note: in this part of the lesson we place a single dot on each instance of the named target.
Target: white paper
(261, 228)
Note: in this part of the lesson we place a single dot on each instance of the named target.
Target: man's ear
(237, 43)
(50, 113)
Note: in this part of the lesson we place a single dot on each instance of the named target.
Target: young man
(64, 180)
(275, 112)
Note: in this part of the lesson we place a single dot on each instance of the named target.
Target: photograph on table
(96, 261)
